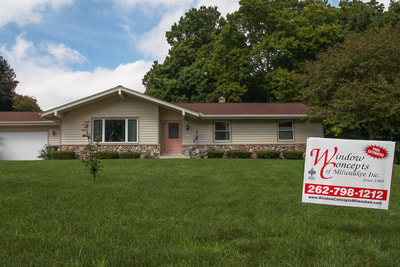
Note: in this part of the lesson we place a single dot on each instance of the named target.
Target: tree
(90, 153)
(7, 85)
(25, 103)
(175, 80)
(356, 84)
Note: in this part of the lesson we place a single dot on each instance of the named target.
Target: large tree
(356, 84)
(7, 85)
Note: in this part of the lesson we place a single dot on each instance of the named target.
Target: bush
(213, 154)
(62, 155)
(107, 155)
(239, 154)
(271, 154)
(129, 155)
(293, 154)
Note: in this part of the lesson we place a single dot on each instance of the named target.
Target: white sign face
(348, 172)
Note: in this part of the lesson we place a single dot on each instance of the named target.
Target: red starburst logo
(376, 152)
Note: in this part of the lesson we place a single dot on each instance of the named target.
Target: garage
(24, 134)
(22, 145)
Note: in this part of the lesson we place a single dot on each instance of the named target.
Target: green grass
(183, 213)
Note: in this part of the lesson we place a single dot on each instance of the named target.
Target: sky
(64, 50)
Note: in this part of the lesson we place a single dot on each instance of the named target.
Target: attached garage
(21, 145)
(23, 134)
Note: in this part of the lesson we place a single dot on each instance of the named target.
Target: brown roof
(14, 116)
(247, 108)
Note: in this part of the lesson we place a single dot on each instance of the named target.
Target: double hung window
(285, 131)
(222, 131)
(115, 130)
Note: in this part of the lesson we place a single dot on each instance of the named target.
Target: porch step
(173, 156)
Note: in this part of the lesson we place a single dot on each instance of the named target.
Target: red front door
(171, 137)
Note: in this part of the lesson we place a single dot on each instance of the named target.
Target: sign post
(350, 173)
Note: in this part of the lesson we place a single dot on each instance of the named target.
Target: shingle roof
(14, 116)
(247, 108)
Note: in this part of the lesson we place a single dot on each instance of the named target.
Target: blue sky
(63, 50)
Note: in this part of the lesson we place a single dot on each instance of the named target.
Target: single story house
(126, 120)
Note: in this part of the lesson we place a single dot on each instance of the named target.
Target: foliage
(25, 103)
(90, 155)
(184, 213)
(271, 154)
(7, 85)
(293, 154)
(45, 153)
(238, 154)
(62, 155)
(212, 154)
(357, 84)
(107, 155)
(129, 155)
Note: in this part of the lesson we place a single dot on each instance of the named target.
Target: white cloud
(154, 44)
(43, 73)
(25, 12)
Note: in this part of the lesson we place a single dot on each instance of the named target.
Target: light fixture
(187, 127)
(53, 132)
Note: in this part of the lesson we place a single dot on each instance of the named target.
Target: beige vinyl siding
(249, 132)
(169, 115)
(114, 107)
(205, 132)
(303, 130)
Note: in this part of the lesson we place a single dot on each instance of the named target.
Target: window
(285, 131)
(115, 130)
(222, 131)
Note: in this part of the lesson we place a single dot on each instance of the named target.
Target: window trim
(229, 130)
(279, 131)
(103, 130)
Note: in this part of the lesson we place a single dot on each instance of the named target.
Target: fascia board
(28, 123)
(118, 90)
(280, 116)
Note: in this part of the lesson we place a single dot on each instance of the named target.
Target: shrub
(129, 155)
(240, 154)
(62, 155)
(293, 154)
(107, 155)
(45, 153)
(271, 154)
(212, 154)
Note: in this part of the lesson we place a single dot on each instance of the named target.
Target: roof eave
(28, 123)
(249, 116)
(120, 90)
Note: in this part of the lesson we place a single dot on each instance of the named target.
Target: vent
(221, 99)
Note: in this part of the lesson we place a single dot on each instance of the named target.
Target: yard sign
(348, 172)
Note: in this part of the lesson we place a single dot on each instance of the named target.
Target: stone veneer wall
(146, 151)
(251, 148)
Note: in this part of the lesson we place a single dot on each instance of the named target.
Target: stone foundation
(251, 148)
(146, 151)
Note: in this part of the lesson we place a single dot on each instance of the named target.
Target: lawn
(184, 213)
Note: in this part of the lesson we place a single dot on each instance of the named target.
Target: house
(126, 120)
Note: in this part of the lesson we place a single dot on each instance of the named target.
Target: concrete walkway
(173, 156)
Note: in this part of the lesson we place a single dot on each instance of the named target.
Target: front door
(171, 139)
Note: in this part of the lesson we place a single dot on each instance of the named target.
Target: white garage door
(21, 145)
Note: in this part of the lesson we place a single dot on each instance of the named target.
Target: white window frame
(103, 130)
(229, 130)
(279, 131)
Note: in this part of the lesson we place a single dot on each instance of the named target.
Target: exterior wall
(113, 107)
(53, 140)
(248, 132)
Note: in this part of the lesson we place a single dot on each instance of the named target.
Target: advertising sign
(351, 173)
